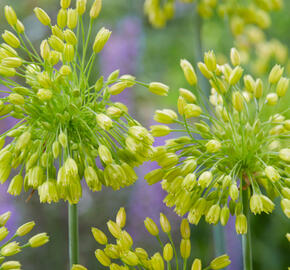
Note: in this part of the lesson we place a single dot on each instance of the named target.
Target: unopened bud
(42, 16)
(275, 74)
(189, 72)
(151, 226)
(101, 39)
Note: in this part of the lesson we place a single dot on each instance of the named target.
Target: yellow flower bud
(275, 74)
(56, 43)
(112, 251)
(114, 229)
(104, 121)
(10, 15)
(285, 205)
(70, 37)
(130, 258)
(235, 57)
(15, 185)
(189, 182)
(25, 228)
(154, 176)
(44, 50)
(11, 265)
(272, 173)
(62, 138)
(241, 224)
(16, 99)
(42, 16)
(72, 18)
(11, 39)
(168, 252)
(220, 262)
(96, 9)
(210, 60)
(196, 265)
(44, 94)
(141, 253)
(121, 217)
(101, 39)
(10, 249)
(204, 70)
(12, 62)
(256, 204)
(78, 267)
(125, 241)
(99, 236)
(62, 18)
(237, 101)
(81, 6)
(65, 3)
(65, 70)
(3, 233)
(157, 262)
(19, 27)
(236, 75)
(38, 240)
(158, 88)
(68, 53)
(54, 58)
(7, 72)
(189, 72)
(118, 88)
(185, 247)
(213, 146)
(258, 91)
(284, 154)
(165, 116)
(189, 96)
(225, 214)
(234, 192)
(57, 32)
(213, 214)
(192, 110)
(164, 223)
(205, 179)
(272, 99)
(159, 130)
(185, 229)
(4, 218)
(268, 205)
(151, 226)
(249, 83)
(102, 257)
(282, 87)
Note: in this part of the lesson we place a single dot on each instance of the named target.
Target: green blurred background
(151, 55)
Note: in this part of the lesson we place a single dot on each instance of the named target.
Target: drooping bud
(241, 224)
(213, 146)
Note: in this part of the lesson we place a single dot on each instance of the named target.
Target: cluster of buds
(62, 118)
(236, 141)
(130, 257)
(240, 14)
(10, 247)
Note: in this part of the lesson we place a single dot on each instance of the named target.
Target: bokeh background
(151, 55)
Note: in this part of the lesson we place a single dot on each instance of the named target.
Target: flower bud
(196, 265)
(102, 257)
(141, 253)
(14, 265)
(44, 94)
(56, 43)
(258, 91)
(189, 96)
(285, 205)
(68, 53)
(225, 214)
(284, 154)
(81, 6)
(237, 100)
(189, 182)
(11, 39)
(3, 233)
(121, 217)
(234, 192)
(10, 15)
(96, 9)
(205, 179)
(249, 83)
(157, 262)
(158, 88)
(118, 88)
(62, 18)
(272, 98)
(15, 185)
(78, 267)
(210, 60)
(65, 3)
(125, 241)
(12, 62)
(213, 146)
(151, 226)
(7, 72)
(213, 214)
(42, 16)
(38, 240)
(16, 99)
(236, 75)
(25, 228)
(154, 176)
(189, 72)
(241, 224)
(282, 87)
(130, 258)
(104, 121)
(164, 223)
(220, 262)
(72, 18)
(101, 39)
(4, 218)
(160, 130)
(165, 116)
(112, 251)
(275, 74)
(105, 154)
(185, 247)
(10, 249)
(44, 50)
(62, 138)
(19, 27)
(192, 110)
(114, 229)
(256, 204)
(204, 70)
(268, 205)
(272, 173)
(99, 236)
(65, 70)
(70, 37)
(235, 57)
(185, 229)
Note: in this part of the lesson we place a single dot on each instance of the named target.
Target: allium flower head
(123, 248)
(10, 247)
(237, 140)
(64, 119)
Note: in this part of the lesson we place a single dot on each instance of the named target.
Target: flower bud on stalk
(42, 16)
(10, 15)
(158, 88)
(189, 72)
(96, 9)
(101, 39)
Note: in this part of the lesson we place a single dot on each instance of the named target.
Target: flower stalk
(73, 234)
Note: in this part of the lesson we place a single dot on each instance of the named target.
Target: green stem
(246, 240)
(73, 234)
(219, 239)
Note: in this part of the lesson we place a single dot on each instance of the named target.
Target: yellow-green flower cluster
(63, 118)
(239, 13)
(237, 140)
(10, 247)
(132, 257)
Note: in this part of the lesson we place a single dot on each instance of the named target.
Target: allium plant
(235, 153)
(240, 14)
(10, 247)
(123, 255)
(68, 126)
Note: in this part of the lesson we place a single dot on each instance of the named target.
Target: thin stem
(246, 240)
(73, 234)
